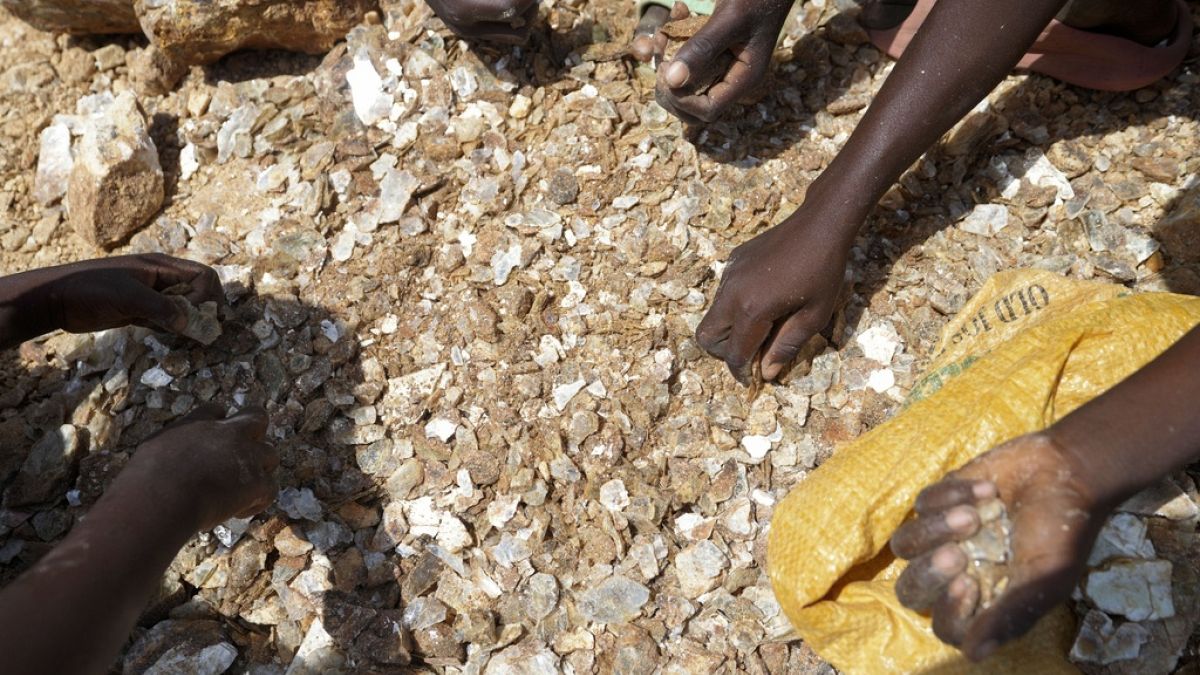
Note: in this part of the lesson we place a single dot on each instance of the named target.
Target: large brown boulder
(79, 17)
(194, 32)
(185, 33)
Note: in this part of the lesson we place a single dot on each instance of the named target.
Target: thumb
(697, 62)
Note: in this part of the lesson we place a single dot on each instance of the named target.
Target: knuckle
(453, 17)
(748, 307)
(703, 45)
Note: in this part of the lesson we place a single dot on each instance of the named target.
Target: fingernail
(947, 559)
(960, 519)
(986, 649)
(677, 74)
(641, 50)
(770, 371)
(984, 490)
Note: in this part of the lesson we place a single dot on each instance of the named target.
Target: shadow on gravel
(276, 352)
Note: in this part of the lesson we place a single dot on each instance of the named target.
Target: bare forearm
(23, 307)
(1142, 429)
(74, 609)
(964, 49)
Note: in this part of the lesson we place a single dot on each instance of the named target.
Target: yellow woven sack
(1029, 348)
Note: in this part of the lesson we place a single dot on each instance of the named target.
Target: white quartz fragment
(156, 377)
(230, 531)
(985, 220)
(879, 342)
(54, 164)
(188, 162)
(343, 245)
(1123, 536)
(613, 495)
(317, 652)
(1136, 589)
(441, 429)
(1044, 174)
(502, 509)
(698, 566)
(300, 503)
(881, 380)
(371, 104)
(1164, 499)
(757, 446)
(563, 393)
(1100, 641)
(504, 262)
(395, 191)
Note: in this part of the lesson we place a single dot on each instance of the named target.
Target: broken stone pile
(464, 283)
(1139, 600)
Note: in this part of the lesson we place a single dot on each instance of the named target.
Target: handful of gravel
(989, 551)
(203, 326)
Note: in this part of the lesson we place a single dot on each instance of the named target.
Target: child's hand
(723, 62)
(507, 21)
(1055, 521)
(206, 468)
(777, 290)
(110, 292)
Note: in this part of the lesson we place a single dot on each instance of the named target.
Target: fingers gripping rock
(203, 325)
(677, 34)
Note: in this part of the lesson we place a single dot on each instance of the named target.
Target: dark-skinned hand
(777, 291)
(504, 21)
(206, 465)
(1055, 522)
(105, 293)
(724, 62)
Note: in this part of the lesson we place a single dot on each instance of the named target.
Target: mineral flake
(203, 326)
(1136, 589)
(615, 600)
(54, 164)
(698, 566)
(1101, 641)
(371, 103)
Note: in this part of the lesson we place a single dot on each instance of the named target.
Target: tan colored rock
(79, 17)
(116, 182)
(195, 32)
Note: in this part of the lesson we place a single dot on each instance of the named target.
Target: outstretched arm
(1059, 486)
(72, 611)
(779, 288)
(100, 294)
